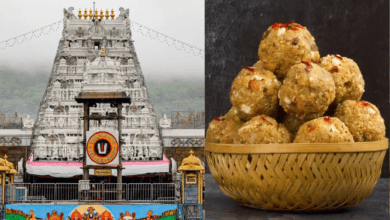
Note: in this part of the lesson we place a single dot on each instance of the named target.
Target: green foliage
(22, 92)
(176, 95)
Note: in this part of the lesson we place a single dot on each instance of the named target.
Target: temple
(95, 54)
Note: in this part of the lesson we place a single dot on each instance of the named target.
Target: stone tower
(96, 53)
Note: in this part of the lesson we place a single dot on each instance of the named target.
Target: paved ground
(220, 207)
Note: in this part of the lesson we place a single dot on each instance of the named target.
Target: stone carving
(59, 109)
(96, 29)
(60, 122)
(86, 77)
(80, 32)
(104, 43)
(139, 153)
(102, 77)
(90, 43)
(187, 142)
(10, 141)
(20, 166)
(123, 14)
(114, 32)
(74, 44)
(118, 44)
(65, 46)
(71, 61)
(69, 14)
(53, 137)
(124, 60)
(28, 122)
(119, 79)
(154, 152)
(54, 152)
(73, 153)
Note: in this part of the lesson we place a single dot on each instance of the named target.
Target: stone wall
(14, 154)
(179, 153)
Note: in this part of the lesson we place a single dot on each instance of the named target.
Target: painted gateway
(95, 54)
(91, 212)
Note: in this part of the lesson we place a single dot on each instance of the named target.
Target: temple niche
(95, 57)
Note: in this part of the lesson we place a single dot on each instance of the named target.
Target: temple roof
(103, 97)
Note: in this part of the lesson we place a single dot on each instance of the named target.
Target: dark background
(356, 29)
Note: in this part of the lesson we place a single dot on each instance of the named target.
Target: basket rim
(345, 147)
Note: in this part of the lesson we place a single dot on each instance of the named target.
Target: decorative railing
(167, 193)
(187, 119)
(187, 142)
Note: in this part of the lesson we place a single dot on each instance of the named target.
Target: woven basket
(297, 177)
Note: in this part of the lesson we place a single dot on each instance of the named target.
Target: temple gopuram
(95, 54)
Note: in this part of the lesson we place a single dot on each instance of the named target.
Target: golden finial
(90, 14)
(103, 52)
(112, 14)
(80, 15)
(107, 14)
(101, 14)
(85, 14)
(5, 157)
(96, 14)
(191, 163)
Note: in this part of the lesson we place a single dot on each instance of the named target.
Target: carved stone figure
(104, 42)
(139, 152)
(61, 122)
(86, 76)
(74, 44)
(96, 29)
(125, 151)
(123, 14)
(154, 152)
(102, 77)
(28, 122)
(79, 32)
(90, 43)
(69, 14)
(20, 166)
(143, 122)
(114, 32)
(118, 44)
(119, 79)
(73, 155)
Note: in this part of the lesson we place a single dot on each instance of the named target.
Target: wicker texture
(297, 181)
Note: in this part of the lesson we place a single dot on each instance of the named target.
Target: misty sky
(180, 19)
